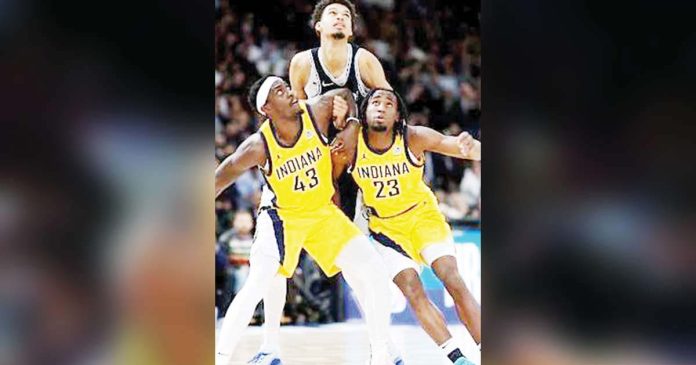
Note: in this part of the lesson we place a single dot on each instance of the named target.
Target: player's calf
(468, 309)
(430, 318)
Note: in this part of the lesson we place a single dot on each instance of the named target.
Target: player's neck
(333, 54)
(380, 141)
(286, 130)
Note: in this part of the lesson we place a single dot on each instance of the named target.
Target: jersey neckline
(345, 73)
(374, 150)
(297, 137)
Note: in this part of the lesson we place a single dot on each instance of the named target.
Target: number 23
(392, 185)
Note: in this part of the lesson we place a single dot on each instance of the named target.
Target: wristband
(352, 118)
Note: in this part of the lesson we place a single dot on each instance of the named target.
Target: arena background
(430, 51)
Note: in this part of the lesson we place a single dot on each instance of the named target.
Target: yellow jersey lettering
(296, 164)
(382, 171)
(390, 184)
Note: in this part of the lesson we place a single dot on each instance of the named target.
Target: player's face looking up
(336, 20)
(282, 101)
(382, 111)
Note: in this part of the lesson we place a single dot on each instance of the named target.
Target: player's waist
(409, 208)
(306, 210)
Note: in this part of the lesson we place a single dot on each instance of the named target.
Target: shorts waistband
(373, 212)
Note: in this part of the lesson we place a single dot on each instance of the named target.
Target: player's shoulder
(256, 139)
(413, 131)
(364, 56)
(254, 147)
(300, 66)
(301, 59)
(415, 136)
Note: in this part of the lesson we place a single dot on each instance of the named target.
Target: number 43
(313, 180)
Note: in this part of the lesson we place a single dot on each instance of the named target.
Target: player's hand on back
(340, 111)
(346, 142)
(337, 145)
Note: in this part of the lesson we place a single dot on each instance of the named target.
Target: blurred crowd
(430, 51)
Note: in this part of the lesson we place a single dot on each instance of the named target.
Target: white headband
(264, 90)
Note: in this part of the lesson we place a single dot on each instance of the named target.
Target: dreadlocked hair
(399, 125)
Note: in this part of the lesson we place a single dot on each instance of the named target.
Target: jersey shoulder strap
(325, 82)
(352, 82)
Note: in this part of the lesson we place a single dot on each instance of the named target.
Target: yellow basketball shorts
(322, 232)
(413, 231)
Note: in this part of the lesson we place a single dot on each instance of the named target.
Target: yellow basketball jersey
(298, 176)
(391, 181)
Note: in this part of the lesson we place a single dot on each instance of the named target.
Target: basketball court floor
(347, 344)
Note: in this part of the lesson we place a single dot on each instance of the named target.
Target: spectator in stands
(238, 242)
(223, 285)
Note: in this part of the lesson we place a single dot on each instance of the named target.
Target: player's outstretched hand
(340, 110)
(465, 142)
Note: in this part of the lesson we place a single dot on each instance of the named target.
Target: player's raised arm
(249, 154)
(342, 155)
(337, 167)
(300, 67)
(371, 71)
(462, 146)
(323, 109)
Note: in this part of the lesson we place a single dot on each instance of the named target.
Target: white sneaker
(265, 358)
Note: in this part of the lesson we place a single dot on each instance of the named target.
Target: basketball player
(404, 216)
(335, 64)
(294, 155)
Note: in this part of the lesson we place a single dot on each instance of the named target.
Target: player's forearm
(450, 147)
(348, 138)
(351, 131)
(225, 175)
(352, 106)
(336, 198)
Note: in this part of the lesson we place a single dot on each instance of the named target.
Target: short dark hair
(322, 4)
(253, 91)
(399, 125)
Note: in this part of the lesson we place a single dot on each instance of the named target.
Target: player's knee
(451, 278)
(411, 287)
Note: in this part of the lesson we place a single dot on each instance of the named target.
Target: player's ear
(266, 108)
(317, 27)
